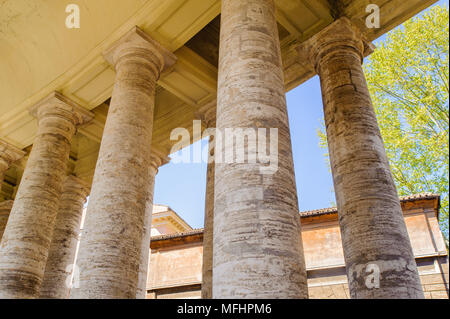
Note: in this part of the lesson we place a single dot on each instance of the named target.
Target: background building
(175, 269)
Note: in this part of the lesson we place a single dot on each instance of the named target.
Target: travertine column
(27, 237)
(111, 244)
(374, 234)
(208, 113)
(65, 238)
(157, 159)
(257, 249)
(8, 155)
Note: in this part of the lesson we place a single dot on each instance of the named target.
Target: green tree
(408, 78)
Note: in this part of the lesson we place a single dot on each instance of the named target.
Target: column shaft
(145, 247)
(65, 238)
(257, 249)
(208, 114)
(207, 265)
(375, 239)
(27, 237)
(157, 159)
(110, 249)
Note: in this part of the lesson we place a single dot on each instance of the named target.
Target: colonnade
(252, 238)
(374, 234)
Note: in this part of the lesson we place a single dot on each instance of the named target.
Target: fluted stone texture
(257, 249)
(5, 209)
(208, 228)
(27, 237)
(65, 239)
(370, 216)
(110, 249)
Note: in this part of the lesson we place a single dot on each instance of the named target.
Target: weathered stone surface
(257, 249)
(27, 237)
(65, 238)
(110, 250)
(157, 158)
(370, 216)
(209, 117)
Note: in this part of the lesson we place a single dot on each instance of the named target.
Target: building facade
(176, 258)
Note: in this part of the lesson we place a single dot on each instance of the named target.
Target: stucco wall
(175, 266)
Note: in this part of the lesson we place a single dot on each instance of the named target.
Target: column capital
(56, 104)
(137, 43)
(207, 113)
(158, 158)
(341, 35)
(9, 153)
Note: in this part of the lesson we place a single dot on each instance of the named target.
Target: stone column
(8, 155)
(257, 249)
(157, 159)
(27, 237)
(111, 243)
(65, 238)
(374, 236)
(208, 114)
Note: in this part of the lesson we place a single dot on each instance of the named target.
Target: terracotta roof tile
(333, 210)
(316, 212)
(177, 235)
(322, 211)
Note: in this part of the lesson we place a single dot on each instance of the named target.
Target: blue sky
(182, 186)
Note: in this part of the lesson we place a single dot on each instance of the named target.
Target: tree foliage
(408, 78)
